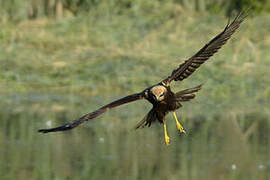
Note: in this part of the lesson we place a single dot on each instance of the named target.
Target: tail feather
(147, 120)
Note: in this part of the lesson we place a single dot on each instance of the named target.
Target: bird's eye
(162, 95)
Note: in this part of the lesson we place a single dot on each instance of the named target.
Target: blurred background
(60, 59)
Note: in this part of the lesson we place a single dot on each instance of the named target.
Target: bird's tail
(187, 94)
(147, 120)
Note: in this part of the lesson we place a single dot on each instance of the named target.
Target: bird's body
(163, 99)
(162, 106)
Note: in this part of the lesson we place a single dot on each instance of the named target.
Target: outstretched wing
(189, 66)
(95, 114)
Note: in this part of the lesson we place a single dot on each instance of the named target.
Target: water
(226, 147)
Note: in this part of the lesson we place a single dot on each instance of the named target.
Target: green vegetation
(31, 9)
(53, 71)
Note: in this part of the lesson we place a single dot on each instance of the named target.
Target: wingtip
(239, 17)
(199, 86)
(43, 131)
(60, 128)
(202, 84)
(246, 12)
(242, 14)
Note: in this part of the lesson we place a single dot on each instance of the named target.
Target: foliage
(23, 9)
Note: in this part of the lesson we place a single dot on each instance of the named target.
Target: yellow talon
(179, 126)
(167, 138)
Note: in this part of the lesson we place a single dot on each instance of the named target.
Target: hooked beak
(156, 98)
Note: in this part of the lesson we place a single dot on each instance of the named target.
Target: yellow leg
(167, 138)
(179, 126)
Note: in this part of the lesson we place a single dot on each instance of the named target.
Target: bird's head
(158, 92)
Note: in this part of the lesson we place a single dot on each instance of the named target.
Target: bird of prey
(160, 95)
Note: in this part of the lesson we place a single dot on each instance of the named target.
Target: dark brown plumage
(170, 103)
(160, 95)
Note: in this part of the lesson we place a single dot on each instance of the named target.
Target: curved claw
(178, 125)
(167, 140)
(166, 137)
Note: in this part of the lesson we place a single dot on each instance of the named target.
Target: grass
(54, 71)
